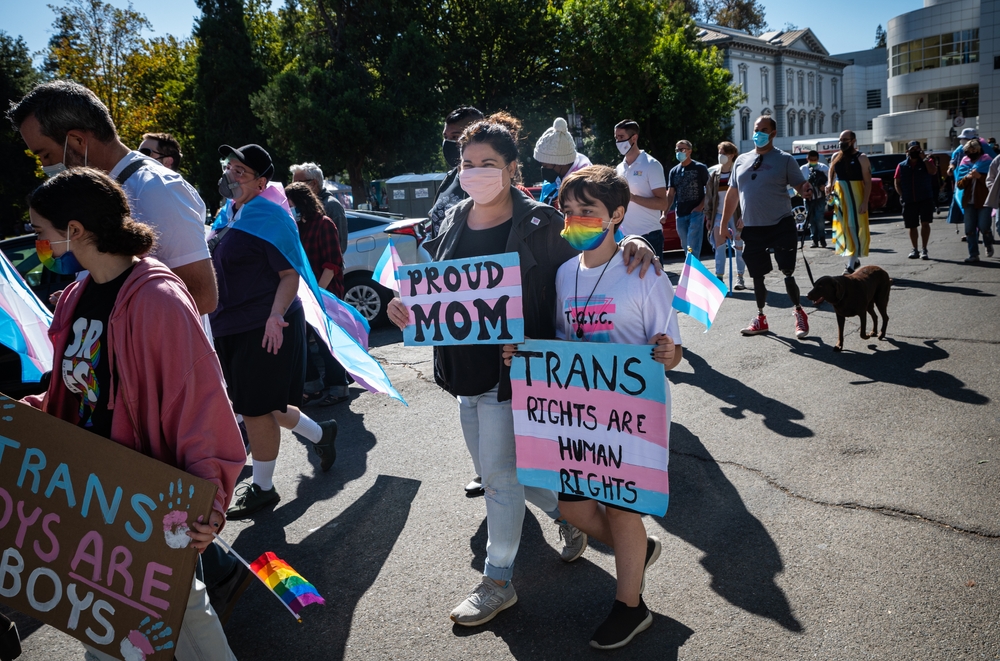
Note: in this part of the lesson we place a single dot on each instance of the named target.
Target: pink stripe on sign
(697, 300)
(511, 278)
(654, 424)
(541, 454)
(513, 311)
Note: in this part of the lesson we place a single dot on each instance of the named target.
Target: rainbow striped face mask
(585, 232)
(64, 264)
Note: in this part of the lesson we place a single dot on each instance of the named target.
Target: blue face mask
(680, 156)
(761, 139)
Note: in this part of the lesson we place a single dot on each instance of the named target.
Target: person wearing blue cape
(259, 326)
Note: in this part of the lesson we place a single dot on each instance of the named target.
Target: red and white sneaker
(757, 326)
(801, 323)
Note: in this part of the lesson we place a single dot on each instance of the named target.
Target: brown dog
(852, 296)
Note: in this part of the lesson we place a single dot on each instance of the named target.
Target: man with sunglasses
(759, 184)
(65, 125)
(162, 147)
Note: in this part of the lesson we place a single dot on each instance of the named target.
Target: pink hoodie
(167, 387)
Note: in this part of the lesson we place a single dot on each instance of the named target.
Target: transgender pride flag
(699, 293)
(24, 323)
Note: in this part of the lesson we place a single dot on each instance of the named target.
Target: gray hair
(311, 170)
(62, 106)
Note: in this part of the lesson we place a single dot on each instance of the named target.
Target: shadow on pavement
(899, 366)
(939, 288)
(342, 559)
(561, 605)
(740, 399)
(707, 512)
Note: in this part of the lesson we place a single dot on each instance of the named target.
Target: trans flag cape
(24, 323)
(342, 328)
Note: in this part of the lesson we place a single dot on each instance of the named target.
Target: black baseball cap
(913, 143)
(253, 155)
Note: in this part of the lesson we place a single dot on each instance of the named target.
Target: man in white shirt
(65, 125)
(647, 185)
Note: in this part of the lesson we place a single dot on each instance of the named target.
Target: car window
(886, 161)
(358, 223)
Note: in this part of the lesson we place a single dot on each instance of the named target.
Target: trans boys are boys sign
(93, 535)
(463, 301)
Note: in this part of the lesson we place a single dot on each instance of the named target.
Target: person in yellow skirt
(850, 185)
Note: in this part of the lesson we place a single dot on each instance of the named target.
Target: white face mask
(723, 159)
(624, 146)
(52, 170)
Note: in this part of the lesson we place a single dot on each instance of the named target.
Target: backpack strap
(132, 168)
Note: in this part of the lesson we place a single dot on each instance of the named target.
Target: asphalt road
(823, 505)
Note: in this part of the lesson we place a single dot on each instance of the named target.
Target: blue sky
(842, 26)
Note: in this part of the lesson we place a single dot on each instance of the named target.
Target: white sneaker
(576, 541)
(484, 603)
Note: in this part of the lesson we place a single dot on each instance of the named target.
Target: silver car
(366, 241)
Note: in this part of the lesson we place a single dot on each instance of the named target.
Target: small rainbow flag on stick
(285, 583)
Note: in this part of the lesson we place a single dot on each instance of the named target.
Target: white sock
(307, 427)
(263, 474)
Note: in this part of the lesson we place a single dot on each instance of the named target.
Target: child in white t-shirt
(600, 302)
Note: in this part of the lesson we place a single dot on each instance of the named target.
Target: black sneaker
(224, 596)
(326, 449)
(250, 499)
(622, 625)
(653, 548)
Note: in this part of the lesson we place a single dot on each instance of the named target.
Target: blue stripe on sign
(647, 502)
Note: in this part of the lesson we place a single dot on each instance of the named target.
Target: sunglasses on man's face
(146, 151)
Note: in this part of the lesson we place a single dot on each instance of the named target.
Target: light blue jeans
(720, 251)
(691, 231)
(488, 427)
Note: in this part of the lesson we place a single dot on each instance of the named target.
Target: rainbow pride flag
(288, 584)
(699, 293)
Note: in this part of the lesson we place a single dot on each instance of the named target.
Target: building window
(743, 78)
(812, 88)
(874, 99)
(765, 84)
(820, 121)
(963, 101)
(819, 93)
(870, 124)
(790, 87)
(802, 89)
(802, 123)
(943, 50)
(791, 123)
(835, 122)
(833, 93)
(745, 124)
(812, 123)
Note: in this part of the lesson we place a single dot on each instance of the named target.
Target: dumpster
(412, 195)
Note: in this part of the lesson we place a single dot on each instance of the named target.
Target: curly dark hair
(300, 195)
(500, 131)
(92, 198)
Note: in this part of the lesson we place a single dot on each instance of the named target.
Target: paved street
(823, 506)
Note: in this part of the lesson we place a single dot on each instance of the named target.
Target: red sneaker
(801, 323)
(757, 326)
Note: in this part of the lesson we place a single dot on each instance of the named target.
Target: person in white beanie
(556, 152)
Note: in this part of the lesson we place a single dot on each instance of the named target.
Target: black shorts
(915, 213)
(260, 382)
(782, 237)
(573, 498)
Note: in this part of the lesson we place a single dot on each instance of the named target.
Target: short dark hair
(62, 106)
(596, 183)
(774, 124)
(97, 202)
(813, 154)
(464, 114)
(168, 146)
(305, 200)
(500, 131)
(629, 126)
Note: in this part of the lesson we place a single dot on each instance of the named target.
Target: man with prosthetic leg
(759, 186)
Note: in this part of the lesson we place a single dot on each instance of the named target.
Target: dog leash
(802, 249)
(730, 249)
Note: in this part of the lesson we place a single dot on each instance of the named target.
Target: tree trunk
(358, 187)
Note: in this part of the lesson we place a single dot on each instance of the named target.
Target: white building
(865, 95)
(786, 74)
(942, 74)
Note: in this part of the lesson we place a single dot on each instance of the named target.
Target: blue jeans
(691, 230)
(720, 251)
(815, 221)
(488, 427)
(978, 219)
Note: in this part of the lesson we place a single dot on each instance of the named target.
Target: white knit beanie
(556, 146)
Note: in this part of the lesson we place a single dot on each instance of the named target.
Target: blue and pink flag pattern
(385, 269)
(24, 323)
(699, 293)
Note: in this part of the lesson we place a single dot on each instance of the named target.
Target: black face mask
(548, 174)
(846, 147)
(914, 154)
(451, 152)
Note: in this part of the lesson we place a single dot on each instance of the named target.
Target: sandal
(329, 399)
(311, 398)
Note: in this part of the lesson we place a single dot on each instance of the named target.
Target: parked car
(884, 168)
(366, 241)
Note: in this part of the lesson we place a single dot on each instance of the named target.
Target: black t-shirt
(85, 371)
(472, 369)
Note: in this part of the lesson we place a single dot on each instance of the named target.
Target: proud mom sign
(463, 301)
(592, 419)
(93, 535)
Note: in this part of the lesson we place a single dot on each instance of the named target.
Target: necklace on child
(576, 295)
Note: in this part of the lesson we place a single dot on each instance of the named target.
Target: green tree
(880, 37)
(746, 15)
(21, 172)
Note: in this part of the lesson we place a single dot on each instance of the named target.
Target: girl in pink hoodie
(132, 361)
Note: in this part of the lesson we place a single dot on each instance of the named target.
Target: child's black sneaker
(622, 625)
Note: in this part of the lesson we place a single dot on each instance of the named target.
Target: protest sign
(592, 419)
(463, 301)
(93, 535)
